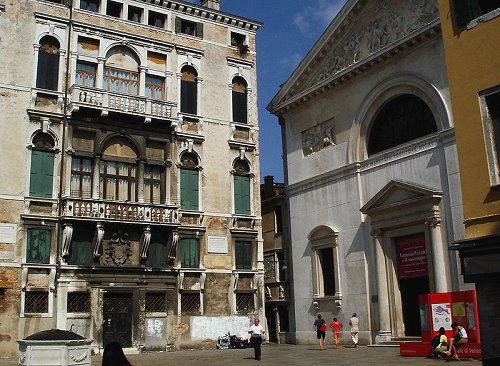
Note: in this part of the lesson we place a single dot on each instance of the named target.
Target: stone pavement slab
(285, 354)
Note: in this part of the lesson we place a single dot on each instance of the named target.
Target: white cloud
(321, 13)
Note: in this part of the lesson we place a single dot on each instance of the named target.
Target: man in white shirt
(256, 331)
(354, 323)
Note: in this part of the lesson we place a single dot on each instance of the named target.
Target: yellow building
(470, 30)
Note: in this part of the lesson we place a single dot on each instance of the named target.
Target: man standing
(256, 331)
(354, 323)
(320, 328)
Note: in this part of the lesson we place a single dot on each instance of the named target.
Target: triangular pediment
(360, 30)
(398, 193)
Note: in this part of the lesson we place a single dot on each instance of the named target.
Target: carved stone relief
(318, 137)
(380, 24)
(117, 251)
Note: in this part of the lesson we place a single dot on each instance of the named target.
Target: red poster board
(412, 256)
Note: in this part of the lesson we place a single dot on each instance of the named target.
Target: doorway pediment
(398, 195)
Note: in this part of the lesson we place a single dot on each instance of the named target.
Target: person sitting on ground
(441, 347)
(459, 338)
(113, 355)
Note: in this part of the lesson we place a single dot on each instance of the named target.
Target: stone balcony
(112, 211)
(106, 101)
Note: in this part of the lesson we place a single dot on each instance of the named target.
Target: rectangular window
(41, 174)
(245, 302)
(190, 253)
(190, 303)
(237, 39)
(48, 69)
(36, 302)
(157, 255)
(243, 254)
(118, 181)
(241, 195)
(490, 109)
(155, 86)
(156, 302)
(134, 14)
(152, 184)
(114, 9)
(467, 10)
(189, 97)
(325, 256)
(121, 81)
(240, 107)
(78, 302)
(156, 19)
(85, 74)
(91, 5)
(81, 249)
(81, 177)
(38, 246)
(189, 189)
(184, 26)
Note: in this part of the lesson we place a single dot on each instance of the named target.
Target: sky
(290, 29)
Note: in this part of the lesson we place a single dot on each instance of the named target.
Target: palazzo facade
(373, 183)
(130, 197)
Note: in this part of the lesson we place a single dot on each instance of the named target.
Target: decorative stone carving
(118, 251)
(318, 137)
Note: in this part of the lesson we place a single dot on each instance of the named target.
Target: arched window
(189, 182)
(118, 178)
(402, 119)
(239, 96)
(48, 64)
(121, 71)
(189, 93)
(241, 188)
(42, 166)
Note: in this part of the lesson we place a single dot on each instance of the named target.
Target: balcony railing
(107, 101)
(119, 211)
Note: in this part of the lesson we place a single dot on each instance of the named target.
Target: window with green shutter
(157, 255)
(239, 94)
(241, 195)
(189, 189)
(243, 254)
(188, 27)
(38, 246)
(190, 253)
(189, 90)
(81, 250)
(41, 174)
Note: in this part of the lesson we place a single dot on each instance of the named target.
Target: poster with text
(441, 316)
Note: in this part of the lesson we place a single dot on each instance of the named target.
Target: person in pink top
(336, 326)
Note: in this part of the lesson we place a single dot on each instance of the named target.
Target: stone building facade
(130, 200)
(373, 184)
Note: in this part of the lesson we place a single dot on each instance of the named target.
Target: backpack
(322, 327)
(435, 341)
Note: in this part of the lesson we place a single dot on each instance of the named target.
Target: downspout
(68, 3)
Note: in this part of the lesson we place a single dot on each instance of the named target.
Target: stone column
(140, 190)
(382, 292)
(441, 277)
(199, 100)
(142, 80)
(95, 178)
(100, 73)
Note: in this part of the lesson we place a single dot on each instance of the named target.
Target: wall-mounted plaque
(217, 244)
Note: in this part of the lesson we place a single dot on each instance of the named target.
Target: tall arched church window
(242, 188)
(189, 182)
(42, 166)
(48, 64)
(189, 93)
(240, 104)
(402, 119)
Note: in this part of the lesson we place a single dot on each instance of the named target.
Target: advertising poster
(441, 316)
(412, 256)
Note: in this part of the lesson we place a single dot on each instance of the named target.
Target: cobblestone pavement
(273, 354)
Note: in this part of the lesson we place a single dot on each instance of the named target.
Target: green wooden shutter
(241, 195)
(189, 189)
(240, 107)
(190, 253)
(243, 255)
(38, 246)
(41, 174)
(178, 24)
(199, 30)
(81, 253)
(157, 255)
(465, 11)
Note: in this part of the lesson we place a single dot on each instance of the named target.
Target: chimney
(212, 4)
(268, 186)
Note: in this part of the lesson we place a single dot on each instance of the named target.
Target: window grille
(190, 303)
(78, 302)
(155, 302)
(36, 302)
(244, 302)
